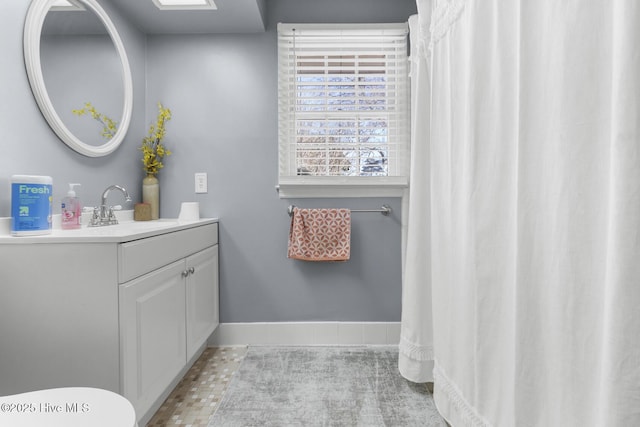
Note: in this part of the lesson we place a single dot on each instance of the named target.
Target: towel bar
(384, 210)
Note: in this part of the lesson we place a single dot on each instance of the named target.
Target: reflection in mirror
(80, 65)
(74, 58)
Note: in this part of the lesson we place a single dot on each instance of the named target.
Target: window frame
(297, 186)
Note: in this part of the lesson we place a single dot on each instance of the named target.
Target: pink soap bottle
(71, 210)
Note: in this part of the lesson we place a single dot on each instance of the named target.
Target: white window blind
(343, 103)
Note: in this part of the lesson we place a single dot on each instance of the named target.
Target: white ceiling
(232, 16)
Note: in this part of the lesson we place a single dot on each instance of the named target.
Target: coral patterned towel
(320, 234)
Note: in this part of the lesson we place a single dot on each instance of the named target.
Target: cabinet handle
(192, 270)
(185, 273)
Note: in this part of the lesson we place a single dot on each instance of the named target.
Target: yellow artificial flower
(153, 151)
(109, 126)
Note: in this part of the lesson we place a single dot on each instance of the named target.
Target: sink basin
(124, 228)
(145, 225)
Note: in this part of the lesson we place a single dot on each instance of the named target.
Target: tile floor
(198, 394)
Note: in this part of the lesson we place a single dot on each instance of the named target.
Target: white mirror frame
(32, 32)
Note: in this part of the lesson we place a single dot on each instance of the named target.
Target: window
(343, 109)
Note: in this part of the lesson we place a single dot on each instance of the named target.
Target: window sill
(337, 187)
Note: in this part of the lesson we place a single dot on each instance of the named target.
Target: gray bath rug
(324, 386)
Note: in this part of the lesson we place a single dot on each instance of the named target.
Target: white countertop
(125, 231)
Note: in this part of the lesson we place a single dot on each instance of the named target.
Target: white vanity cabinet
(153, 334)
(201, 298)
(167, 312)
(125, 308)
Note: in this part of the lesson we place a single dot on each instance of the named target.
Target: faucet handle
(111, 214)
(95, 215)
(94, 210)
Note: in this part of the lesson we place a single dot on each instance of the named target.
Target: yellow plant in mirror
(109, 126)
(153, 150)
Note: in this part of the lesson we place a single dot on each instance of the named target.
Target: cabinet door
(202, 298)
(152, 333)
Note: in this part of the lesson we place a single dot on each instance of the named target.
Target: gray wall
(27, 144)
(222, 90)
(79, 69)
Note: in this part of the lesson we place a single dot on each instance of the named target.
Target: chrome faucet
(103, 214)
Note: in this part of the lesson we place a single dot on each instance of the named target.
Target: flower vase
(151, 194)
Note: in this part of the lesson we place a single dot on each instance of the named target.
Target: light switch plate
(201, 182)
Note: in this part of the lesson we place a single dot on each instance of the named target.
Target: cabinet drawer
(142, 256)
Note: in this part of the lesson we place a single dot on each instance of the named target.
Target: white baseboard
(306, 333)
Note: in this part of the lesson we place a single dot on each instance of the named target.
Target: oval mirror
(76, 64)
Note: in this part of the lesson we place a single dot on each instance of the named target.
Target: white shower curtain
(535, 212)
(416, 335)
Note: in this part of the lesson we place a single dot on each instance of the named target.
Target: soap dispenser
(71, 209)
